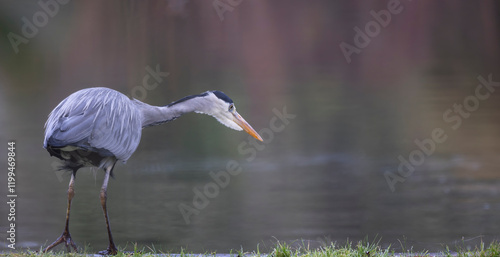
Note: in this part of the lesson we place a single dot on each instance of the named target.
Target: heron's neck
(156, 115)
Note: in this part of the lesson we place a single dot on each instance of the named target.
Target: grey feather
(96, 119)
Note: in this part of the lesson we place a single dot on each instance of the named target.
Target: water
(322, 176)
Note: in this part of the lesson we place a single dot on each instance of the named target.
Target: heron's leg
(111, 248)
(66, 237)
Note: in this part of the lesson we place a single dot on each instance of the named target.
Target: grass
(363, 248)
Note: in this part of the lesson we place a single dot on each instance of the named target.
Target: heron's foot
(110, 251)
(64, 238)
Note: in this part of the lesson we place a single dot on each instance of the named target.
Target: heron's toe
(108, 252)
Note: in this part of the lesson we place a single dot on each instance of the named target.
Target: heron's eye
(231, 108)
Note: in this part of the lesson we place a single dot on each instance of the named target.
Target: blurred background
(363, 86)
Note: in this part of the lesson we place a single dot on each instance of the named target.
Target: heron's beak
(245, 126)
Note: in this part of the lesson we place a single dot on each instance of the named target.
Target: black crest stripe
(187, 98)
(222, 96)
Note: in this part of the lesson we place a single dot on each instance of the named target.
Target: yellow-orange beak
(245, 126)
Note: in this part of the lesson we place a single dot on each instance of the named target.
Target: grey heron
(96, 127)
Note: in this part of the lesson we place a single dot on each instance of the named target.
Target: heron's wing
(97, 119)
(65, 127)
(117, 129)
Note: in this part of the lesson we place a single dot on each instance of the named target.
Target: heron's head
(223, 109)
